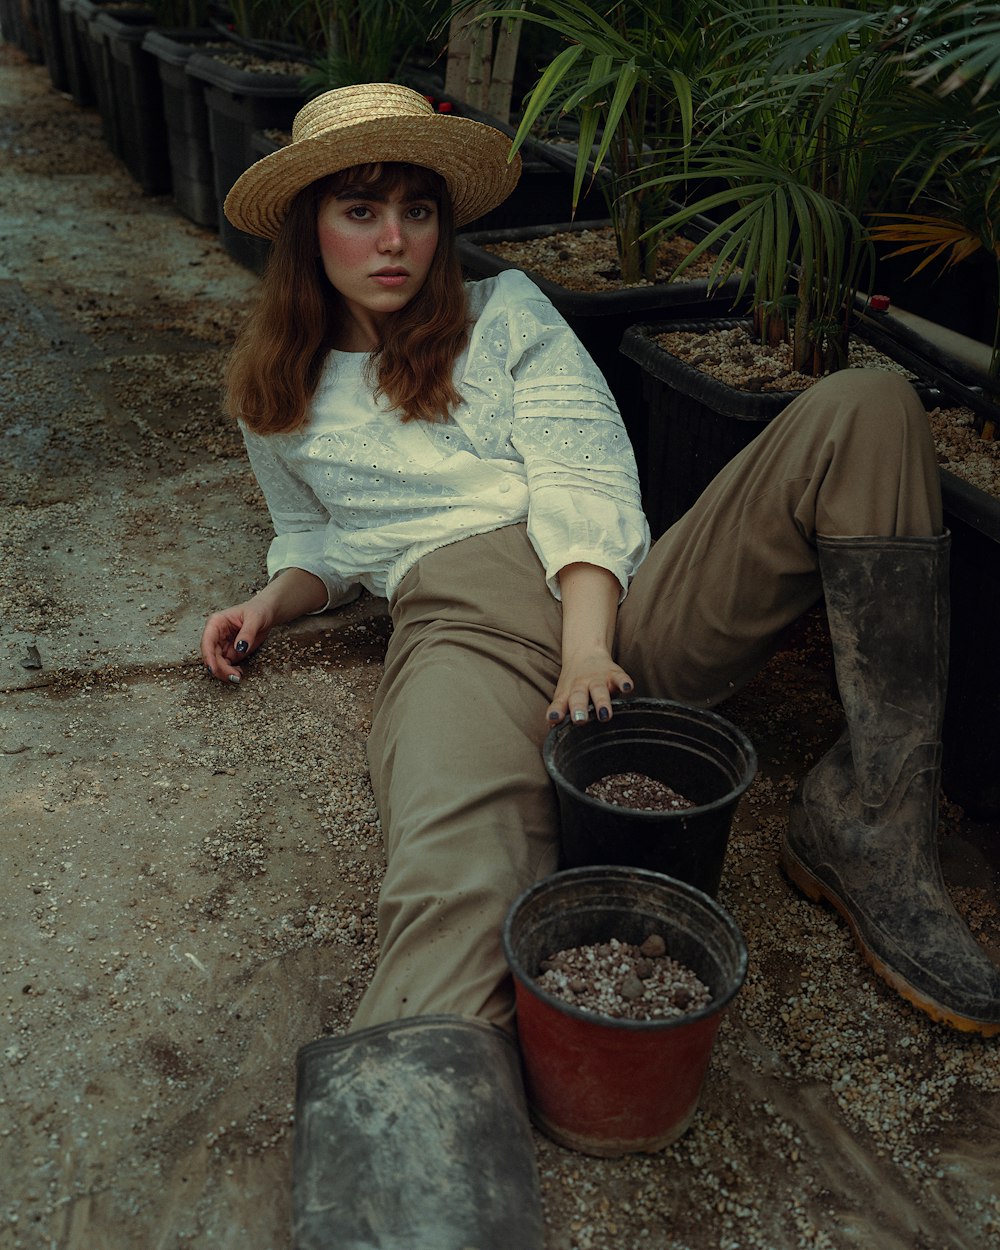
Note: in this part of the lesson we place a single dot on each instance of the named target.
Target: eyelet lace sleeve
(302, 526)
(584, 497)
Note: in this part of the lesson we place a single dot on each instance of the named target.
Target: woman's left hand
(588, 679)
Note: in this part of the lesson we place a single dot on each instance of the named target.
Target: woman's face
(377, 249)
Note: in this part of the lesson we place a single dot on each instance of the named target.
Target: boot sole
(817, 891)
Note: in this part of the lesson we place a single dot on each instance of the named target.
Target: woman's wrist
(290, 594)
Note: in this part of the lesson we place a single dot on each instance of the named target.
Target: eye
(420, 212)
(358, 212)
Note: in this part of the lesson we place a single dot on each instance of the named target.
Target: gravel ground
(191, 869)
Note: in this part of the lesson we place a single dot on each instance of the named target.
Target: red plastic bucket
(606, 1086)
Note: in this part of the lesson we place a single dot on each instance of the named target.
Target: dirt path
(190, 870)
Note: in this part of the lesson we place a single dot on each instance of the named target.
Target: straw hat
(368, 123)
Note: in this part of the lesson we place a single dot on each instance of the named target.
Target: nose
(391, 235)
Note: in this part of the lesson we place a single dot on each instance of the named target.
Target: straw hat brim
(471, 157)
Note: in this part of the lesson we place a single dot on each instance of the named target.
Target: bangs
(383, 178)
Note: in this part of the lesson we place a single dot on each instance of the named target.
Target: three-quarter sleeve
(303, 529)
(584, 498)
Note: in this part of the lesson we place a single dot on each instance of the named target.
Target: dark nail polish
(553, 716)
(626, 687)
(241, 646)
(209, 669)
(604, 713)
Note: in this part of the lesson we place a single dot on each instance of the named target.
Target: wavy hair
(279, 355)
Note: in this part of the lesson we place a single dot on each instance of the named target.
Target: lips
(390, 277)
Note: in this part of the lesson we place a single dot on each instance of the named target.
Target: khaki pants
(468, 812)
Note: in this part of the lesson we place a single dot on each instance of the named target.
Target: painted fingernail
(579, 714)
(241, 646)
(234, 677)
(604, 713)
(626, 687)
(209, 669)
(553, 715)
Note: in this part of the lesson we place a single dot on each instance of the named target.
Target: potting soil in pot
(587, 260)
(639, 792)
(624, 981)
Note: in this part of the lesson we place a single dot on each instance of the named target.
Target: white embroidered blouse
(358, 496)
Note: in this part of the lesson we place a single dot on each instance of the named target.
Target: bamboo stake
(459, 49)
(477, 84)
(504, 64)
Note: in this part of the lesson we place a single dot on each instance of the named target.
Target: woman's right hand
(234, 634)
(231, 636)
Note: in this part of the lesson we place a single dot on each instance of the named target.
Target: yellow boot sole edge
(816, 891)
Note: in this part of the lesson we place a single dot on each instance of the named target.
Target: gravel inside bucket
(639, 792)
(624, 981)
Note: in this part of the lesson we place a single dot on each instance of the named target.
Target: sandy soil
(191, 869)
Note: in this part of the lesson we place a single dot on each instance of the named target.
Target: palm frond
(923, 232)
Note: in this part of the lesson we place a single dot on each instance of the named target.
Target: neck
(359, 331)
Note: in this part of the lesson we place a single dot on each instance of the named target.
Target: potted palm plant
(942, 217)
(824, 118)
(793, 143)
(626, 74)
(372, 41)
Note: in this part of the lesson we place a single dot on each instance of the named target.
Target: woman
(453, 447)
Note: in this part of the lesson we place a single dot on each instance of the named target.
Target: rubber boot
(414, 1135)
(862, 830)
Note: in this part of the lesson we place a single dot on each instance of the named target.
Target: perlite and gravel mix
(190, 870)
(623, 981)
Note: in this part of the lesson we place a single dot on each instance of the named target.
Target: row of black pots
(179, 116)
(98, 58)
(185, 120)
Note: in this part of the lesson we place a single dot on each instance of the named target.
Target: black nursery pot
(78, 76)
(241, 102)
(698, 753)
(192, 173)
(135, 81)
(52, 41)
(697, 423)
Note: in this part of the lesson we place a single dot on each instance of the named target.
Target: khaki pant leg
(467, 809)
(852, 456)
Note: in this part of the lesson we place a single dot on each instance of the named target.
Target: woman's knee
(875, 412)
(877, 396)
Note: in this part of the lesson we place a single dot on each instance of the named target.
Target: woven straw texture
(369, 123)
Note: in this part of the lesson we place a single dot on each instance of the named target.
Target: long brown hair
(276, 363)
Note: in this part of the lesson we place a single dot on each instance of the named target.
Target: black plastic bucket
(698, 753)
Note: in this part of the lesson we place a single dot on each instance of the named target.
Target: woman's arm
(236, 632)
(589, 673)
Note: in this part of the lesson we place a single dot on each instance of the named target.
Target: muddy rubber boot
(414, 1135)
(862, 829)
